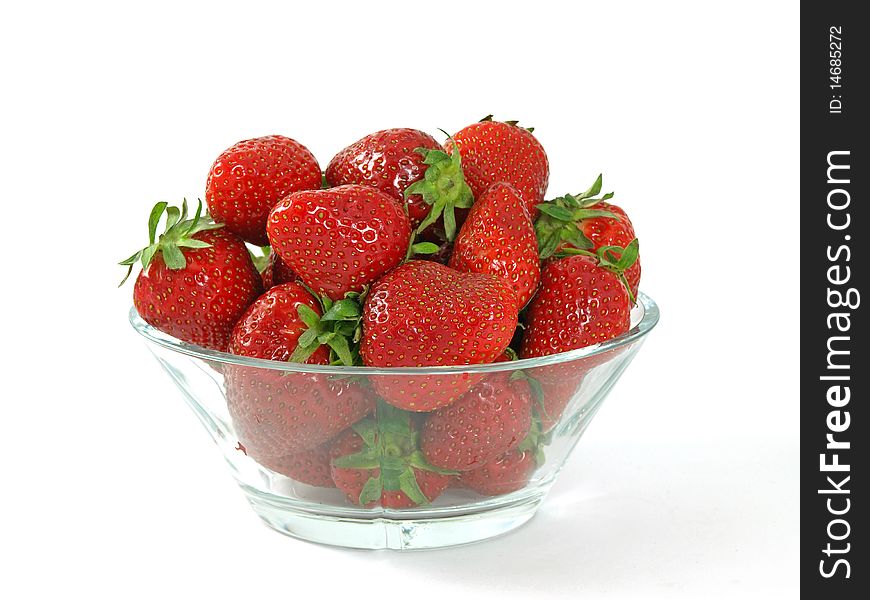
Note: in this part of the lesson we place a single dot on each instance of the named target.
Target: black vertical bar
(834, 241)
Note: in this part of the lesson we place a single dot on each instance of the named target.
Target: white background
(686, 484)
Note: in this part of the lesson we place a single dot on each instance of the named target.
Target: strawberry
(309, 466)
(588, 223)
(275, 413)
(341, 239)
(510, 471)
(249, 178)
(554, 387)
(378, 462)
(498, 238)
(272, 325)
(196, 279)
(426, 314)
(502, 152)
(389, 161)
(276, 272)
(491, 418)
(582, 301)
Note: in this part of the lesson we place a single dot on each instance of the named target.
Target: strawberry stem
(561, 218)
(178, 233)
(443, 187)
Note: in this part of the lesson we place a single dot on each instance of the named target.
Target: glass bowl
(267, 419)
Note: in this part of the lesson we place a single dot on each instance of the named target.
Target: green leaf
(342, 310)
(573, 235)
(431, 157)
(591, 213)
(629, 255)
(559, 213)
(425, 248)
(367, 459)
(308, 337)
(367, 429)
(196, 216)
(148, 254)
(132, 260)
(189, 243)
(547, 243)
(172, 217)
(308, 316)
(408, 484)
(594, 189)
(449, 222)
(340, 346)
(172, 256)
(371, 491)
(303, 353)
(154, 219)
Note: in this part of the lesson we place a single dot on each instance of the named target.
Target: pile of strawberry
(402, 253)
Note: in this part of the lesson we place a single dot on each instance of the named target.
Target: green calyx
(613, 258)
(488, 118)
(535, 441)
(339, 328)
(560, 219)
(443, 187)
(392, 446)
(178, 233)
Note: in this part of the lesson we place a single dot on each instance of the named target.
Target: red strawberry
(196, 279)
(276, 272)
(555, 386)
(588, 223)
(508, 472)
(310, 466)
(426, 314)
(277, 413)
(582, 301)
(378, 462)
(341, 239)
(248, 179)
(487, 421)
(272, 325)
(496, 152)
(498, 238)
(387, 160)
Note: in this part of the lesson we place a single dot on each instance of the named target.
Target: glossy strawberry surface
(201, 302)
(506, 473)
(491, 418)
(603, 231)
(340, 239)
(276, 413)
(498, 152)
(578, 304)
(426, 314)
(310, 467)
(249, 178)
(271, 326)
(498, 238)
(276, 272)
(385, 160)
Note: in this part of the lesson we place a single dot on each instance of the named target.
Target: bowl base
(394, 531)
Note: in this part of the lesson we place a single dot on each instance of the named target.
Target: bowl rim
(639, 330)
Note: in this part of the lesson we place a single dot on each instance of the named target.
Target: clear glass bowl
(255, 411)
